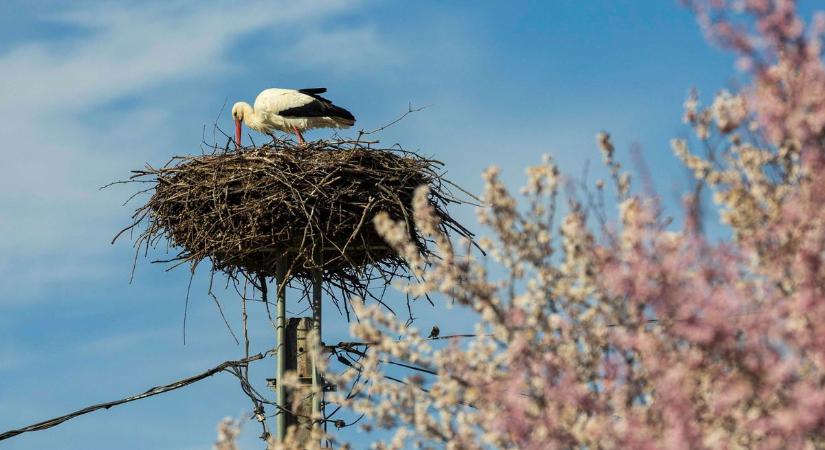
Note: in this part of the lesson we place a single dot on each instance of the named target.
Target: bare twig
(149, 393)
(410, 110)
(238, 210)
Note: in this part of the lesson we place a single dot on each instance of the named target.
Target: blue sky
(91, 90)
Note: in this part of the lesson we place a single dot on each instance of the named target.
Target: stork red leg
(299, 135)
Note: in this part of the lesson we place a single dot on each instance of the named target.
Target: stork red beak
(238, 133)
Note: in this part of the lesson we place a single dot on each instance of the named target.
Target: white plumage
(290, 110)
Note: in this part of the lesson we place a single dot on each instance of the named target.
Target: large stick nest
(312, 205)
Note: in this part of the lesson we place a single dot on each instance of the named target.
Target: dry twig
(149, 393)
(314, 204)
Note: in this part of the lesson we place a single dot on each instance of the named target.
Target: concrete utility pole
(317, 379)
(297, 359)
(294, 354)
(280, 331)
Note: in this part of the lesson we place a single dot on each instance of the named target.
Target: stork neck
(252, 118)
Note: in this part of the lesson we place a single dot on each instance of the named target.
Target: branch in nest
(242, 210)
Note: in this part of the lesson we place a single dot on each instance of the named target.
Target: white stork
(290, 110)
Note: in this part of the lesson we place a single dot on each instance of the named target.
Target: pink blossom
(636, 334)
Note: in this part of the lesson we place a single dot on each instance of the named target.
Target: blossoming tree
(636, 334)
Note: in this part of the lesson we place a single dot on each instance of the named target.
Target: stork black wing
(319, 107)
(312, 91)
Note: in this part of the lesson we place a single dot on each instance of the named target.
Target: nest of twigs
(310, 206)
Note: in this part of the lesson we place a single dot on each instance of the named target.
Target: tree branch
(149, 393)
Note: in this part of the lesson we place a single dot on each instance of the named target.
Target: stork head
(239, 111)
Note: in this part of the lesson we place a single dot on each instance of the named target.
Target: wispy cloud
(61, 141)
(346, 50)
(127, 341)
(131, 48)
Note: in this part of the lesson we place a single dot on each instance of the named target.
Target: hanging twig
(410, 110)
(149, 393)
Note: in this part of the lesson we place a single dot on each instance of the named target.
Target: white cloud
(127, 341)
(60, 143)
(346, 50)
(138, 46)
